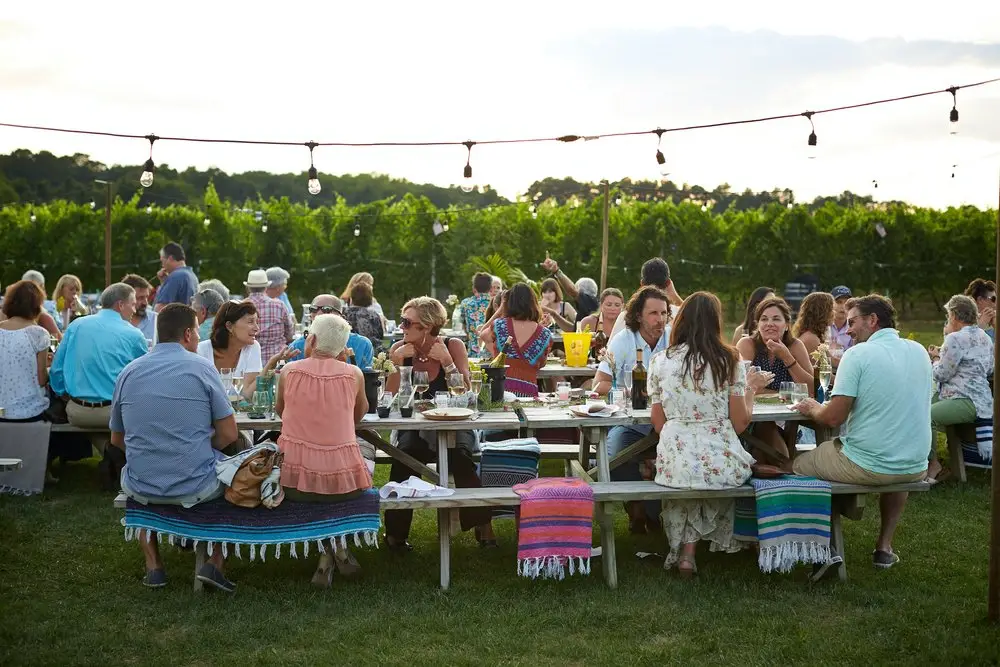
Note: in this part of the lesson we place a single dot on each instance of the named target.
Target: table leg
(444, 540)
(603, 468)
(607, 522)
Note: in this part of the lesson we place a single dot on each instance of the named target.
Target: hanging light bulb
(149, 209)
(93, 204)
(704, 208)
(790, 206)
(357, 229)
(263, 228)
(207, 221)
(147, 169)
(661, 161)
(811, 143)
(313, 185)
(33, 217)
(468, 185)
(953, 116)
(446, 227)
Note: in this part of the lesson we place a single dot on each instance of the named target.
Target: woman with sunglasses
(422, 349)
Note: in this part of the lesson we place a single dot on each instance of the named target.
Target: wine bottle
(501, 359)
(640, 396)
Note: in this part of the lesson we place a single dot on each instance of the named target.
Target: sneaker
(883, 560)
(155, 579)
(209, 574)
(820, 570)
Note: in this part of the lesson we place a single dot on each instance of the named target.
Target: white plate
(448, 414)
(581, 411)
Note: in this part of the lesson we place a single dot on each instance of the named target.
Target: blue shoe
(155, 579)
(209, 574)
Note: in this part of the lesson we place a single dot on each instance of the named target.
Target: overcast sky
(466, 70)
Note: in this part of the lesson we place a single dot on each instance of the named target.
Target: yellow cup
(577, 347)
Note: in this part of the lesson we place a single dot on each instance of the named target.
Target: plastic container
(577, 347)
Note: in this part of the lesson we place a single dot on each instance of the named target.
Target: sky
(456, 71)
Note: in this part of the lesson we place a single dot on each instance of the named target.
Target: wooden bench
(848, 501)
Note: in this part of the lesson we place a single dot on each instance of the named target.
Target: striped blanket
(790, 518)
(555, 528)
(508, 463)
(980, 452)
(222, 524)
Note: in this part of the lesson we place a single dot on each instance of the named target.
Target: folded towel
(555, 527)
(413, 488)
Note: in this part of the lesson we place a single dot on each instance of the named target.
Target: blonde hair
(359, 277)
(63, 281)
(430, 312)
(331, 332)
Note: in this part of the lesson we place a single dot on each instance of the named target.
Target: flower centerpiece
(383, 364)
(821, 357)
(607, 356)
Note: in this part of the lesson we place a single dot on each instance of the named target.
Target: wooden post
(993, 607)
(107, 234)
(604, 237)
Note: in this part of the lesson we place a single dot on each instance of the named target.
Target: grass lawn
(70, 594)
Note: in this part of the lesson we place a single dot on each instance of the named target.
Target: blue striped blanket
(507, 463)
(980, 452)
(790, 518)
(222, 524)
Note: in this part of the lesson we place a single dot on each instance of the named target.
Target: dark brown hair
(699, 326)
(552, 285)
(173, 321)
(230, 313)
(979, 288)
(482, 282)
(23, 299)
(749, 320)
(361, 295)
(136, 282)
(522, 304)
(610, 291)
(782, 305)
(815, 315)
(635, 305)
(877, 304)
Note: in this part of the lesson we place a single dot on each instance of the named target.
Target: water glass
(617, 397)
(785, 390)
(441, 399)
(562, 392)
(800, 392)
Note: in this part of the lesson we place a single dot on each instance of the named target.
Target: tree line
(925, 255)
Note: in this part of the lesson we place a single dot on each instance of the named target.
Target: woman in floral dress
(701, 398)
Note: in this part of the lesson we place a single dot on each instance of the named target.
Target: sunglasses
(405, 323)
(323, 309)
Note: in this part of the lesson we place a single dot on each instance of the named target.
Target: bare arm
(46, 322)
(802, 372)
(226, 432)
(118, 440)
(746, 349)
(737, 334)
(361, 399)
(602, 383)
(279, 397)
(657, 416)
(832, 414)
(42, 361)
(565, 323)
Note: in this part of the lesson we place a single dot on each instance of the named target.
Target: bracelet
(451, 369)
(795, 362)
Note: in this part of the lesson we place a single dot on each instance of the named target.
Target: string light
(660, 159)
(33, 217)
(811, 151)
(953, 116)
(263, 228)
(357, 229)
(313, 185)
(93, 204)
(146, 179)
(207, 221)
(467, 184)
(149, 209)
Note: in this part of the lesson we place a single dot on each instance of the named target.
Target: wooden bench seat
(848, 501)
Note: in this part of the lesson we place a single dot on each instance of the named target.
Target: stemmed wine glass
(475, 385)
(456, 387)
(421, 383)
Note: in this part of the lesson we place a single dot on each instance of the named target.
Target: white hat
(257, 278)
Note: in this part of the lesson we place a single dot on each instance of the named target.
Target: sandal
(346, 563)
(323, 577)
(690, 570)
(485, 544)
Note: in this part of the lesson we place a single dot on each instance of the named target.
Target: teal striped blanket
(790, 518)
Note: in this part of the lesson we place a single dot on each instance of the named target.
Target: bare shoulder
(745, 347)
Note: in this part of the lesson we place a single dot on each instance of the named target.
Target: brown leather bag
(245, 489)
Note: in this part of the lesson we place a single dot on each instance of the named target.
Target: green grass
(70, 594)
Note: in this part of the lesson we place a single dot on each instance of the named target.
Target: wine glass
(627, 380)
(456, 385)
(825, 375)
(421, 382)
(476, 385)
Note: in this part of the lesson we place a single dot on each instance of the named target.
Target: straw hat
(257, 278)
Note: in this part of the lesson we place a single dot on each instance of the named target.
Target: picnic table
(559, 369)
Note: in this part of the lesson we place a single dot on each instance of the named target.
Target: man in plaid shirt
(276, 326)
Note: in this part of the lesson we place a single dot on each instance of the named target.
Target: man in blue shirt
(325, 304)
(647, 328)
(93, 352)
(172, 431)
(883, 393)
(144, 318)
(179, 281)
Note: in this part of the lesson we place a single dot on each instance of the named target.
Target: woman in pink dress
(320, 400)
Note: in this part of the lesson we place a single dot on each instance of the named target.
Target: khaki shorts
(828, 462)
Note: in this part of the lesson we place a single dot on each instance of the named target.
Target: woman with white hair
(320, 401)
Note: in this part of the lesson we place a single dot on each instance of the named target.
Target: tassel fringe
(552, 567)
(324, 545)
(783, 557)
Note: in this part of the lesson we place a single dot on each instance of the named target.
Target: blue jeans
(619, 438)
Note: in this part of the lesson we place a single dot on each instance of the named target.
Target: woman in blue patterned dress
(530, 341)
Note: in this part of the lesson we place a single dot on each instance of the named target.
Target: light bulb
(263, 228)
(790, 206)
(357, 232)
(618, 201)
(149, 209)
(313, 186)
(704, 208)
(446, 226)
(33, 217)
(467, 184)
(953, 121)
(208, 221)
(534, 216)
(147, 173)
(812, 150)
(93, 205)
(661, 162)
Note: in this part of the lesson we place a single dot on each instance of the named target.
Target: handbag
(260, 471)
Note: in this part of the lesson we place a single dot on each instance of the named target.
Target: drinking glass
(825, 375)
(627, 381)
(475, 386)
(421, 382)
(785, 391)
(617, 397)
(562, 392)
(441, 399)
(800, 392)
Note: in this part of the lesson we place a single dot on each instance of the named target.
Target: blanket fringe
(324, 545)
(783, 557)
(14, 491)
(552, 567)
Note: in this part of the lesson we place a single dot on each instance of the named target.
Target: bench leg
(608, 563)
(200, 556)
(955, 453)
(837, 543)
(444, 539)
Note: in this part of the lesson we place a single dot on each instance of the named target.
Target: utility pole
(993, 607)
(107, 231)
(604, 237)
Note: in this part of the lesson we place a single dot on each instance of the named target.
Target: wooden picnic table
(551, 370)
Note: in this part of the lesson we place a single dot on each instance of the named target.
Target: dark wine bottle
(640, 395)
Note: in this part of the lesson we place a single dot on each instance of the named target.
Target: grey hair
(587, 286)
(496, 279)
(278, 276)
(34, 276)
(331, 332)
(216, 285)
(963, 309)
(115, 293)
(210, 300)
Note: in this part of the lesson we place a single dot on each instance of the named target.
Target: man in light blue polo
(171, 417)
(883, 393)
(647, 317)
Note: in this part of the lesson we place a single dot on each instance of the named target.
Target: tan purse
(245, 489)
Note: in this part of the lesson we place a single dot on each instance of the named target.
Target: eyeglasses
(405, 323)
(323, 309)
(993, 298)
